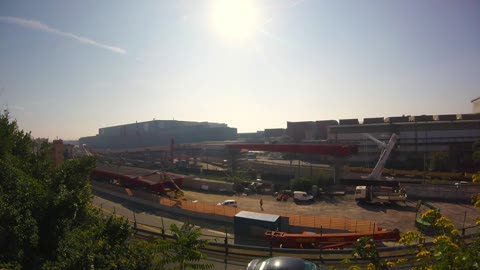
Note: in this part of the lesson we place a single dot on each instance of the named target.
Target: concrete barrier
(451, 192)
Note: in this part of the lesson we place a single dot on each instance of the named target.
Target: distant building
(309, 130)
(158, 133)
(476, 105)
(257, 137)
(419, 135)
(58, 153)
(274, 134)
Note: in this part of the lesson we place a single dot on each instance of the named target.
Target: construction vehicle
(309, 240)
(380, 194)
(302, 196)
(425, 223)
(376, 193)
(387, 149)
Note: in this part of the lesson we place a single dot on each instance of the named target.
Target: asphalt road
(151, 219)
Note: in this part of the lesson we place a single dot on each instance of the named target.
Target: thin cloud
(39, 26)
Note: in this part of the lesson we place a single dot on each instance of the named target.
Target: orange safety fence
(294, 219)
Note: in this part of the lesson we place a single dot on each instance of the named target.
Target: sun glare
(234, 18)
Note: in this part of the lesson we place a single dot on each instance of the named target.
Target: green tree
(301, 183)
(46, 221)
(186, 251)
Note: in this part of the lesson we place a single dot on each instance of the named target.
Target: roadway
(154, 220)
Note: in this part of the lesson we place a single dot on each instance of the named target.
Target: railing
(414, 173)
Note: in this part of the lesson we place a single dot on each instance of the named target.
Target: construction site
(343, 210)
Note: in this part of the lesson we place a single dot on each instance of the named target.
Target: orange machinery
(326, 241)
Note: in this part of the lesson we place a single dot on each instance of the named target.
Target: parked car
(231, 203)
(279, 263)
(283, 195)
(302, 196)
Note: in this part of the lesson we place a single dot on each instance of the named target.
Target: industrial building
(419, 136)
(309, 130)
(476, 105)
(158, 133)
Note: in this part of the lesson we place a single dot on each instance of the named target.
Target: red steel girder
(318, 149)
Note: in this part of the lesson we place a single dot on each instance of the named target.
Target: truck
(380, 194)
(302, 196)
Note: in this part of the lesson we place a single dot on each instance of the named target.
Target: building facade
(158, 133)
(418, 137)
(476, 105)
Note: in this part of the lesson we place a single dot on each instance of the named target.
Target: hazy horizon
(68, 68)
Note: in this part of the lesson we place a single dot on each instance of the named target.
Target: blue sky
(68, 68)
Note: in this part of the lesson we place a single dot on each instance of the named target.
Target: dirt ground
(393, 216)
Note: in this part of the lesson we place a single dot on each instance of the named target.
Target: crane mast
(387, 149)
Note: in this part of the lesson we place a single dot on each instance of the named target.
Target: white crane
(387, 149)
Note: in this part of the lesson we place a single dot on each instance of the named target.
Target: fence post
(226, 243)
(464, 219)
(163, 229)
(271, 247)
(134, 220)
(356, 221)
(373, 231)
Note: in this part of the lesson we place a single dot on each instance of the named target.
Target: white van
(231, 203)
(302, 196)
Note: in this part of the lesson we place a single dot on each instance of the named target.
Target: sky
(68, 68)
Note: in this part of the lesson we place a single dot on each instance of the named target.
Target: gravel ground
(401, 216)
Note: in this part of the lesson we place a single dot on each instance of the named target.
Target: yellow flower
(441, 239)
(411, 237)
(371, 266)
(422, 255)
(401, 260)
(390, 264)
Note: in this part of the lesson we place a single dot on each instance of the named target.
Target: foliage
(186, 250)
(449, 251)
(476, 177)
(431, 216)
(301, 183)
(476, 154)
(322, 180)
(366, 249)
(46, 221)
(439, 161)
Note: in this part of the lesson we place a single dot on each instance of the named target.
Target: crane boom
(377, 171)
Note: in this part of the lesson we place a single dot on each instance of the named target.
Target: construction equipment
(326, 241)
(425, 222)
(380, 194)
(375, 193)
(387, 149)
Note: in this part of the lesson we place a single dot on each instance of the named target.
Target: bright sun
(234, 18)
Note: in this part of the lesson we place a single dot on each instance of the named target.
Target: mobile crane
(381, 194)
